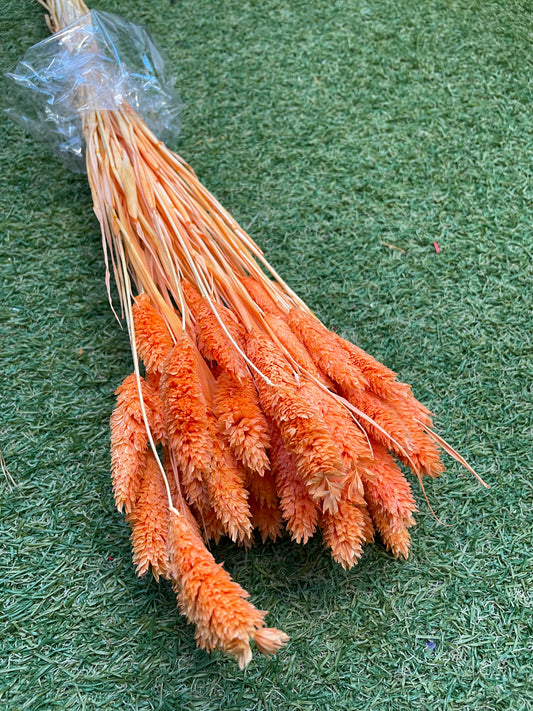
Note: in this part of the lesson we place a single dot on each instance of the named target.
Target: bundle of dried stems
(250, 414)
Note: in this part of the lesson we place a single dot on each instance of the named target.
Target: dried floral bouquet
(250, 414)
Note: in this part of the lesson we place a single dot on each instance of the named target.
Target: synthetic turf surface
(334, 130)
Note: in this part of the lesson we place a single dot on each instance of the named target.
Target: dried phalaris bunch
(244, 412)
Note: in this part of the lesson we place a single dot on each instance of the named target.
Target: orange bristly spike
(266, 519)
(153, 378)
(261, 297)
(194, 488)
(156, 416)
(388, 488)
(317, 457)
(241, 421)
(392, 530)
(149, 522)
(185, 411)
(424, 454)
(211, 600)
(380, 379)
(410, 409)
(416, 449)
(173, 477)
(295, 347)
(129, 439)
(424, 457)
(264, 505)
(347, 435)
(213, 342)
(191, 489)
(229, 317)
(210, 526)
(153, 339)
(225, 487)
(204, 519)
(367, 529)
(325, 351)
(422, 450)
(390, 502)
(383, 415)
(297, 507)
(417, 409)
(263, 488)
(346, 531)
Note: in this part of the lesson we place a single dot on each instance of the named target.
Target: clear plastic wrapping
(97, 63)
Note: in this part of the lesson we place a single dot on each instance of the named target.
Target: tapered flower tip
(240, 649)
(398, 543)
(269, 640)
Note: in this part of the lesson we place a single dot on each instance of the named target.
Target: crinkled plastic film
(97, 63)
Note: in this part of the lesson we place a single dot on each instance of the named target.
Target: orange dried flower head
(317, 457)
(295, 347)
(408, 406)
(263, 488)
(266, 519)
(388, 488)
(323, 346)
(380, 379)
(261, 297)
(129, 438)
(225, 486)
(152, 336)
(211, 526)
(190, 486)
(390, 502)
(241, 421)
(217, 605)
(393, 531)
(149, 521)
(424, 455)
(347, 434)
(297, 507)
(185, 410)
(264, 505)
(389, 428)
(350, 527)
(346, 531)
(269, 640)
(403, 435)
(212, 340)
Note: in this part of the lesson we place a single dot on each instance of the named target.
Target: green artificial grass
(333, 129)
